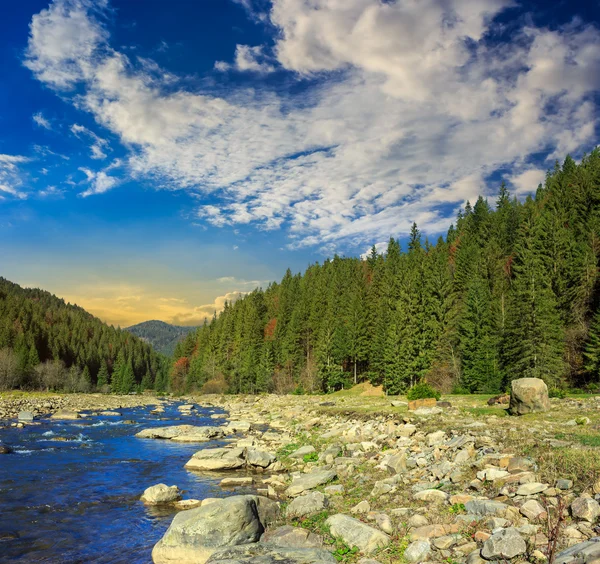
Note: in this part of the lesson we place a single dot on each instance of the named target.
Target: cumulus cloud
(411, 110)
(248, 58)
(10, 176)
(528, 181)
(99, 182)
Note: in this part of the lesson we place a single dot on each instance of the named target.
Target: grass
(486, 411)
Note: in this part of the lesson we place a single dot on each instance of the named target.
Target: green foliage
(557, 393)
(163, 337)
(422, 391)
(311, 457)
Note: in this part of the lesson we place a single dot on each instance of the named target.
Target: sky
(158, 158)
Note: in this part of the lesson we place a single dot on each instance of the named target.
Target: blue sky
(157, 158)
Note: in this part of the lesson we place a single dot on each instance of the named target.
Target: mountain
(162, 336)
(511, 291)
(46, 343)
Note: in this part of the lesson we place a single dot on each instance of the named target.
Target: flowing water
(77, 500)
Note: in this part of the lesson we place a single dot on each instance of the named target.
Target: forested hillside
(511, 291)
(46, 343)
(162, 336)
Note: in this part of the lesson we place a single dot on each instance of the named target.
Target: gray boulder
(25, 416)
(485, 507)
(356, 533)
(307, 504)
(506, 543)
(302, 451)
(165, 432)
(417, 551)
(528, 395)
(200, 434)
(259, 458)
(582, 553)
(160, 493)
(5, 449)
(296, 537)
(260, 553)
(195, 534)
(585, 508)
(217, 459)
(309, 482)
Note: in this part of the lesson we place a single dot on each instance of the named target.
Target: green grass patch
(486, 411)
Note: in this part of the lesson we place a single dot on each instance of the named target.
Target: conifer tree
(128, 379)
(592, 349)
(102, 380)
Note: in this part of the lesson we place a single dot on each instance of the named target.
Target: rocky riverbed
(361, 480)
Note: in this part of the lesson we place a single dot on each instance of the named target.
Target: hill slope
(41, 337)
(162, 336)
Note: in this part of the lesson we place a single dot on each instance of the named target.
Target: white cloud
(380, 247)
(40, 120)
(527, 182)
(248, 58)
(99, 182)
(98, 144)
(413, 109)
(11, 177)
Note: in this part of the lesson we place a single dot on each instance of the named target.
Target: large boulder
(259, 458)
(200, 434)
(356, 533)
(504, 544)
(307, 504)
(217, 459)
(528, 395)
(582, 553)
(310, 481)
(260, 553)
(165, 432)
(65, 414)
(25, 416)
(195, 535)
(160, 493)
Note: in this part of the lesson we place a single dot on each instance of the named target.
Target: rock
(417, 551)
(564, 484)
(585, 508)
(5, 449)
(384, 522)
(161, 493)
(436, 438)
(397, 403)
(434, 496)
(309, 482)
(356, 533)
(302, 451)
(110, 413)
(199, 434)
(187, 407)
(519, 464)
(506, 543)
(217, 459)
(531, 488)
(485, 507)
(239, 426)
(582, 553)
(165, 432)
(417, 520)
(307, 504)
(194, 535)
(259, 458)
(433, 531)
(528, 395)
(185, 504)
(499, 400)
(407, 430)
(65, 414)
(25, 416)
(260, 553)
(417, 404)
(338, 489)
(491, 474)
(533, 510)
(446, 542)
(236, 482)
(361, 507)
(296, 537)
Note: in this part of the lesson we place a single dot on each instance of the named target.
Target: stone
(446, 542)
(25, 416)
(519, 464)
(110, 413)
(65, 414)
(434, 531)
(417, 551)
(239, 426)
(259, 458)
(528, 395)
(436, 438)
(531, 488)
(186, 504)
(491, 474)
(302, 451)
(199, 435)
(165, 432)
(260, 553)
(417, 404)
(533, 510)
(582, 553)
(338, 489)
(5, 449)
(236, 482)
(506, 543)
(160, 493)
(417, 520)
(361, 507)
(384, 522)
(434, 496)
(310, 481)
(585, 508)
(217, 459)
(356, 533)
(485, 507)
(307, 504)
(296, 537)
(407, 430)
(194, 535)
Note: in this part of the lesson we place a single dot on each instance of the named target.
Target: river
(78, 500)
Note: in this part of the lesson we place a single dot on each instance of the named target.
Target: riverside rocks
(161, 494)
(182, 433)
(5, 449)
(269, 554)
(356, 533)
(195, 535)
(506, 543)
(307, 504)
(528, 395)
(309, 481)
(217, 459)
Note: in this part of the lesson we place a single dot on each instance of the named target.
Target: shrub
(557, 393)
(311, 457)
(422, 391)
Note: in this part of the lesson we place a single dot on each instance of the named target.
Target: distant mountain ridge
(162, 336)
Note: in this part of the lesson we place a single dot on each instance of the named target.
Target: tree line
(46, 343)
(511, 291)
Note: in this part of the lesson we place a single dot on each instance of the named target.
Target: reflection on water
(70, 491)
